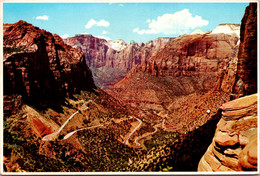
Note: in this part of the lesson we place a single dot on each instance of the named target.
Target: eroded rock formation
(40, 66)
(234, 146)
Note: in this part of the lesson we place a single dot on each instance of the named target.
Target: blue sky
(140, 22)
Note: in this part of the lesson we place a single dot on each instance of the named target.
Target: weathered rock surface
(234, 146)
(101, 55)
(40, 66)
(246, 78)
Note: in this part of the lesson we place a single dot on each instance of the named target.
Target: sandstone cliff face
(234, 146)
(246, 78)
(40, 66)
(101, 55)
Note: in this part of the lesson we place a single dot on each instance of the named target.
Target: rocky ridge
(40, 66)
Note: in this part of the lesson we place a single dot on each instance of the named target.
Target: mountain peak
(227, 28)
(197, 31)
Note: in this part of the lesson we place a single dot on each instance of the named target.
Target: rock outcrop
(246, 78)
(113, 58)
(40, 66)
(234, 146)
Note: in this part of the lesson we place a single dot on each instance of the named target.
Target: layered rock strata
(40, 66)
(234, 146)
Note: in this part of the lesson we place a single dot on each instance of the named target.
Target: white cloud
(103, 23)
(136, 30)
(141, 32)
(103, 37)
(64, 36)
(44, 17)
(90, 23)
(104, 32)
(180, 22)
(100, 23)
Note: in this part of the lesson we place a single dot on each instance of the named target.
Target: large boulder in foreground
(234, 146)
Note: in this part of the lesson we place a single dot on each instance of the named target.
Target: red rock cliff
(40, 66)
(246, 78)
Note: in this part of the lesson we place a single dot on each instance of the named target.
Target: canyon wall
(192, 55)
(40, 66)
(187, 64)
(111, 60)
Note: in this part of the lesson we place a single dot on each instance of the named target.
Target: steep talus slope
(40, 66)
(113, 58)
(234, 146)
